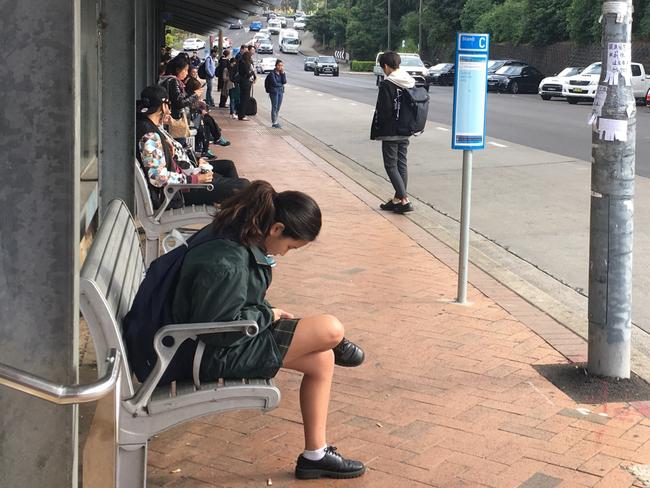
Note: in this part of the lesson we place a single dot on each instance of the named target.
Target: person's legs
(389, 152)
(243, 100)
(223, 188)
(311, 353)
(223, 97)
(233, 107)
(402, 149)
(224, 167)
(212, 127)
(274, 108)
(208, 92)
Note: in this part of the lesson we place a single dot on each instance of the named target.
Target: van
(274, 26)
(285, 33)
(290, 45)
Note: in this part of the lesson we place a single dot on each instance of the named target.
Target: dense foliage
(361, 26)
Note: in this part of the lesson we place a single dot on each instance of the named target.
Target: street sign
(470, 91)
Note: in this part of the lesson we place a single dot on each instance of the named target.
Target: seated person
(207, 129)
(226, 278)
(164, 160)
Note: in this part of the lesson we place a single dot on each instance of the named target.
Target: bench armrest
(171, 190)
(167, 341)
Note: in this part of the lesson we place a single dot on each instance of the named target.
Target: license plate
(553, 89)
(577, 90)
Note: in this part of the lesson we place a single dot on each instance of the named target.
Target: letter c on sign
(482, 42)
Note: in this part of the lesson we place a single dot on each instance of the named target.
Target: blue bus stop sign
(470, 91)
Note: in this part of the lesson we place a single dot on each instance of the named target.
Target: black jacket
(178, 98)
(246, 73)
(384, 121)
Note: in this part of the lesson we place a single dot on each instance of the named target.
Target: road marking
(307, 91)
(497, 144)
(335, 99)
(320, 94)
(444, 129)
(353, 104)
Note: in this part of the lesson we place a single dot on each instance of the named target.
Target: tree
(643, 27)
(506, 22)
(582, 20)
(366, 30)
(472, 11)
(546, 21)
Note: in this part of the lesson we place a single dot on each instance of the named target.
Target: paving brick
(541, 480)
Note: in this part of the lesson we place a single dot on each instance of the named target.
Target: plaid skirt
(283, 330)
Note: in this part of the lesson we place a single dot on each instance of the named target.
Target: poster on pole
(470, 91)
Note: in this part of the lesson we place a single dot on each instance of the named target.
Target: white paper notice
(612, 130)
(599, 101)
(623, 14)
(619, 57)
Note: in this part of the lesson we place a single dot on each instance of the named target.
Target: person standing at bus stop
(384, 128)
(274, 85)
(210, 71)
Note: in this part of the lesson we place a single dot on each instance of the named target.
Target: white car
(193, 44)
(552, 86)
(299, 24)
(227, 42)
(265, 31)
(582, 87)
(274, 26)
(265, 65)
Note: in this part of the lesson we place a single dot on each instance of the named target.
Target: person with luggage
(226, 277)
(384, 128)
(274, 85)
(247, 77)
(232, 86)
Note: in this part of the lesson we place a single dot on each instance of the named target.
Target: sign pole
(466, 201)
(468, 129)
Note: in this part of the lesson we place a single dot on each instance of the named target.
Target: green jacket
(221, 281)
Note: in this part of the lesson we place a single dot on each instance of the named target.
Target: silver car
(310, 62)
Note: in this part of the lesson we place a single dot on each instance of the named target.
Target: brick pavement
(447, 397)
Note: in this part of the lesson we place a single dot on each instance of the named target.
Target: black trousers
(244, 96)
(212, 129)
(226, 182)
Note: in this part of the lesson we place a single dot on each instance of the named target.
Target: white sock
(316, 455)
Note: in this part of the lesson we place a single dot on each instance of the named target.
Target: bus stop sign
(470, 91)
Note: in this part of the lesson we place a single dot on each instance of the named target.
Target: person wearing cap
(165, 161)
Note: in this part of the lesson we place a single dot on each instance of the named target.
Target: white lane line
(496, 144)
(444, 129)
(335, 99)
(307, 91)
(320, 94)
(353, 104)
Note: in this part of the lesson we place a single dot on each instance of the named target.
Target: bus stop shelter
(72, 72)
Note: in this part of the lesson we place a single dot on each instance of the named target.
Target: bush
(505, 22)
(362, 66)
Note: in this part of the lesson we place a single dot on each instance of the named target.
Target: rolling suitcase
(251, 106)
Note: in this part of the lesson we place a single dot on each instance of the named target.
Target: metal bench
(110, 277)
(163, 220)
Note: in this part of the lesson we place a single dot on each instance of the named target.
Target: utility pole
(420, 30)
(612, 200)
(388, 46)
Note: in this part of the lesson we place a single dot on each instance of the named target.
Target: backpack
(202, 72)
(412, 111)
(149, 312)
(267, 83)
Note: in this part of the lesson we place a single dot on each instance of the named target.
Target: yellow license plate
(577, 90)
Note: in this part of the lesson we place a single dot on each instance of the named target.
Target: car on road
(265, 46)
(582, 87)
(299, 24)
(265, 65)
(265, 31)
(326, 65)
(193, 44)
(255, 26)
(236, 25)
(411, 63)
(310, 62)
(442, 74)
(290, 45)
(298, 14)
(283, 22)
(227, 42)
(552, 86)
(274, 26)
(495, 64)
(515, 79)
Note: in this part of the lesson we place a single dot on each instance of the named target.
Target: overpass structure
(72, 71)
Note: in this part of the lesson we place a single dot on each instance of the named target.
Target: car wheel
(306, 68)
(572, 100)
(546, 97)
(336, 73)
(514, 88)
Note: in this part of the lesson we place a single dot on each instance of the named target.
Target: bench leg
(151, 249)
(132, 466)
(99, 454)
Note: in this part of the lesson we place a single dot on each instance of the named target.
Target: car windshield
(594, 69)
(326, 59)
(310, 60)
(411, 61)
(291, 41)
(568, 72)
(510, 70)
(495, 64)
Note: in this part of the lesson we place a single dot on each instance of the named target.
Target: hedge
(362, 66)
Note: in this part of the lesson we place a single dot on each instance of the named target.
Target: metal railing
(63, 394)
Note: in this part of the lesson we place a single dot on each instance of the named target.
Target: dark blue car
(255, 26)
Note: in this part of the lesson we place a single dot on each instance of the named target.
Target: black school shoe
(333, 465)
(402, 208)
(348, 354)
(388, 206)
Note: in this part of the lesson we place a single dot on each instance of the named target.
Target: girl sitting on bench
(225, 278)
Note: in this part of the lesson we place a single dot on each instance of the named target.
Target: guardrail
(63, 394)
